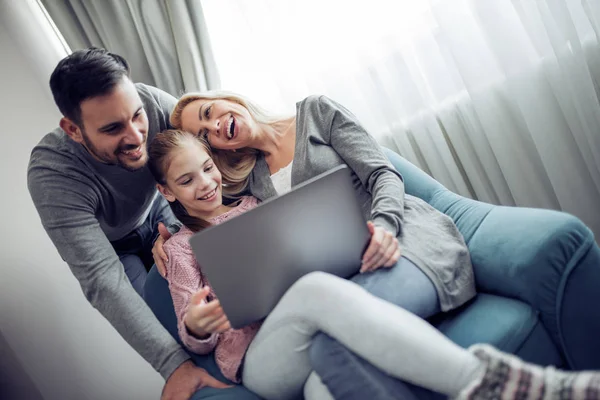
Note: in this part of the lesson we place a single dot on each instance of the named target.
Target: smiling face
(224, 124)
(193, 179)
(113, 128)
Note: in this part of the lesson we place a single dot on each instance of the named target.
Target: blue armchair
(537, 274)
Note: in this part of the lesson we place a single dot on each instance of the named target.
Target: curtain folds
(165, 41)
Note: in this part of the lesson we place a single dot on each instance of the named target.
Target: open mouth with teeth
(133, 153)
(210, 195)
(231, 128)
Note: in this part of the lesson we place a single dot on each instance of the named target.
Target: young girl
(271, 357)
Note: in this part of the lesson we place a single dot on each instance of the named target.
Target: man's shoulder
(57, 159)
(154, 96)
(158, 105)
(54, 148)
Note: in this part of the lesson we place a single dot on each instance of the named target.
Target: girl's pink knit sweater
(185, 278)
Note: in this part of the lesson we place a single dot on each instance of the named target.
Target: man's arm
(67, 209)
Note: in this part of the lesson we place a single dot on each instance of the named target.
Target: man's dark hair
(85, 74)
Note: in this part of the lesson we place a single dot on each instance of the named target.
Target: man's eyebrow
(110, 126)
(115, 124)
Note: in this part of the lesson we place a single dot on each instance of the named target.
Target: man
(98, 202)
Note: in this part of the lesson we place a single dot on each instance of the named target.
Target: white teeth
(229, 128)
(128, 152)
(208, 196)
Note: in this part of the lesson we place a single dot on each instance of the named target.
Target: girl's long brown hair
(160, 154)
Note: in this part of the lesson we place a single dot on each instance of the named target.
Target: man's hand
(186, 380)
(383, 250)
(158, 253)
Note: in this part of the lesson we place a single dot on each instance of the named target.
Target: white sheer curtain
(498, 100)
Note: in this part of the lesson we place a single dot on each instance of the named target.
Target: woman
(267, 155)
(271, 357)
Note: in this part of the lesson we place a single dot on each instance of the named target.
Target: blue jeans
(350, 377)
(135, 249)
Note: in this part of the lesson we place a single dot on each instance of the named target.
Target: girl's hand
(383, 250)
(202, 318)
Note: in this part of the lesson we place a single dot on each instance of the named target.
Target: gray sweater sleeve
(364, 156)
(66, 200)
(66, 208)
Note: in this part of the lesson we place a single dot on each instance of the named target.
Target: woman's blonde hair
(235, 166)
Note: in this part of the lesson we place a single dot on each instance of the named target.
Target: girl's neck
(222, 209)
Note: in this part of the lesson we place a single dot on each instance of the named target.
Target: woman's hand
(202, 318)
(383, 250)
(158, 252)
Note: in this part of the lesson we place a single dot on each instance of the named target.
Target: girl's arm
(184, 280)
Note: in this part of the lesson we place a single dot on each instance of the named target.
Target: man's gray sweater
(85, 204)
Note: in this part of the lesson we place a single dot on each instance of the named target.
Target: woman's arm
(364, 156)
(185, 280)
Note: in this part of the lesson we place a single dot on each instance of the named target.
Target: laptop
(252, 260)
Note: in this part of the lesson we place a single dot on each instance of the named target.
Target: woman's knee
(404, 285)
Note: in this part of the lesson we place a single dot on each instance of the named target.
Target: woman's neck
(273, 137)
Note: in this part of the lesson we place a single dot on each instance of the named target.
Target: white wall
(67, 347)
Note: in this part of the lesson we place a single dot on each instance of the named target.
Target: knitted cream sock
(507, 377)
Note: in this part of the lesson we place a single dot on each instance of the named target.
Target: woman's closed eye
(209, 168)
(185, 182)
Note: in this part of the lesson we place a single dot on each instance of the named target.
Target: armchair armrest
(549, 260)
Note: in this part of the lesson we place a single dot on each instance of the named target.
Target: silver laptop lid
(252, 259)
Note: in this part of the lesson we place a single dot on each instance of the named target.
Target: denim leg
(160, 212)
(350, 377)
(404, 285)
(135, 271)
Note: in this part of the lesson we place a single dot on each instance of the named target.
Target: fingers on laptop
(383, 249)
(205, 316)
(219, 325)
(200, 295)
(209, 318)
(393, 258)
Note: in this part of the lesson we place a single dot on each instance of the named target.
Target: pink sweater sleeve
(184, 280)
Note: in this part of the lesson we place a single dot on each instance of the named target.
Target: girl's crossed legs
(397, 342)
(394, 340)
